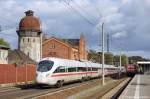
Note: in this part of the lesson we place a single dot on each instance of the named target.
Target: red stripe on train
(68, 74)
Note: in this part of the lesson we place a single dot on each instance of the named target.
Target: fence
(9, 73)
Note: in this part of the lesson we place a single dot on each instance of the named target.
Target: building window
(28, 54)
(28, 40)
(53, 46)
(23, 39)
(0, 55)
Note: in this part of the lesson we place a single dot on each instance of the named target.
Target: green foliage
(93, 56)
(124, 60)
(4, 43)
(97, 57)
(134, 59)
(114, 59)
(110, 59)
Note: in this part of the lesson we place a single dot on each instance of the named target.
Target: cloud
(126, 21)
(119, 35)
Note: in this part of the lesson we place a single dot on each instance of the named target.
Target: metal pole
(41, 46)
(107, 42)
(103, 59)
(120, 65)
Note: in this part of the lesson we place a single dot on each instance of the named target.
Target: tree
(109, 58)
(97, 57)
(4, 43)
(134, 59)
(93, 56)
(124, 60)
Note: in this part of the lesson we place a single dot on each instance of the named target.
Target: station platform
(138, 88)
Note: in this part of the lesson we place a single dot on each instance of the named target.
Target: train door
(99, 70)
(89, 69)
(86, 70)
(88, 73)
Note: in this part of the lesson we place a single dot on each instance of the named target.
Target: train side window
(82, 69)
(89, 68)
(73, 69)
(60, 70)
(94, 69)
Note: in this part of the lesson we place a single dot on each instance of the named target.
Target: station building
(65, 48)
(144, 67)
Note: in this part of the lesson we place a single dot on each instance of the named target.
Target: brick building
(65, 48)
(31, 47)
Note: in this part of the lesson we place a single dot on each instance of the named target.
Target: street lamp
(103, 59)
(120, 64)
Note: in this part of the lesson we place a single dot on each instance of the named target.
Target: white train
(55, 71)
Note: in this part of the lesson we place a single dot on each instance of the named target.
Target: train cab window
(45, 65)
(72, 69)
(60, 70)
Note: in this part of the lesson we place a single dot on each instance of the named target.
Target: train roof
(72, 63)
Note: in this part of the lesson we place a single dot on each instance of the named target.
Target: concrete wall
(3, 56)
(31, 46)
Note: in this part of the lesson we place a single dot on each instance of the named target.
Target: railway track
(115, 91)
(118, 93)
(35, 91)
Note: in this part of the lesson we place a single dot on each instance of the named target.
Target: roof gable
(57, 40)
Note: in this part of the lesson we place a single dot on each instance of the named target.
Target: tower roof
(29, 22)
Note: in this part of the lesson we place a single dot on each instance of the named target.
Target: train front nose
(41, 78)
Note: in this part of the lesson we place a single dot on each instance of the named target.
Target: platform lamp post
(120, 64)
(103, 59)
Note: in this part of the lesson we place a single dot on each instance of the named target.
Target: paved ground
(139, 88)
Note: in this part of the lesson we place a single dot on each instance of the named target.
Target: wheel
(41, 86)
(88, 78)
(59, 84)
(82, 79)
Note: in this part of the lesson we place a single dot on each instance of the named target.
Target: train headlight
(47, 75)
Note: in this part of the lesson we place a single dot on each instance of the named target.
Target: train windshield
(45, 66)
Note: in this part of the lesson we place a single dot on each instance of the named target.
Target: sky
(126, 21)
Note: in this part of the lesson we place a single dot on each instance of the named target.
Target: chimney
(82, 47)
(29, 13)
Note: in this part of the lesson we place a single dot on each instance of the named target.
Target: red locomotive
(131, 69)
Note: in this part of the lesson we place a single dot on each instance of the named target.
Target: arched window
(23, 39)
(28, 40)
(28, 54)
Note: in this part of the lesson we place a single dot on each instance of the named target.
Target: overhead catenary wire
(66, 3)
(83, 10)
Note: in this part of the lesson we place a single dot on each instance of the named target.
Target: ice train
(56, 71)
